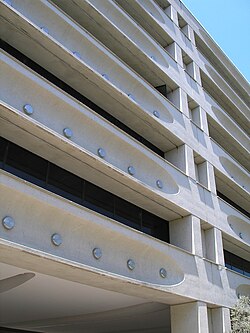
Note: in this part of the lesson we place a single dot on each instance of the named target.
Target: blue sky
(228, 22)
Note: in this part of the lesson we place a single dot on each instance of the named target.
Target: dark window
(37, 170)
(225, 198)
(99, 200)
(26, 165)
(64, 183)
(128, 213)
(3, 147)
(62, 85)
(236, 263)
(155, 226)
(162, 89)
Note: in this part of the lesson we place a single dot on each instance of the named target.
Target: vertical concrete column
(202, 174)
(220, 320)
(186, 234)
(195, 115)
(177, 157)
(194, 71)
(179, 98)
(175, 51)
(189, 318)
(172, 13)
(211, 178)
(204, 122)
(214, 245)
(182, 157)
(189, 32)
(190, 165)
(197, 73)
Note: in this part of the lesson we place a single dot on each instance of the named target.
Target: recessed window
(45, 174)
(64, 182)
(128, 213)
(75, 94)
(155, 226)
(3, 147)
(24, 164)
(236, 263)
(231, 202)
(99, 199)
(162, 89)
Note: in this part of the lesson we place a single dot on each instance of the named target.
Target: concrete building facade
(124, 157)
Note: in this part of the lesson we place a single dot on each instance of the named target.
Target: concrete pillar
(194, 71)
(176, 156)
(202, 174)
(191, 35)
(186, 234)
(179, 98)
(205, 175)
(195, 115)
(190, 165)
(189, 318)
(219, 320)
(213, 245)
(211, 178)
(190, 69)
(172, 14)
(182, 158)
(197, 73)
(204, 122)
(189, 32)
(175, 51)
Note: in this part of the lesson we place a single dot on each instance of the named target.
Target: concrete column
(190, 165)
(205, 175)
(172, 13)
(219, 320)
(195, 115)
(194, 71)
(189, 318)
(182, 157)
(190, 69)
(191, 35)
(202, 174)
(214, 245)
(186, 234)
(189, 32)
(204, 122)
(179, 98)
(177, 157)
(197, 73)
(211, 178)
(175, 51)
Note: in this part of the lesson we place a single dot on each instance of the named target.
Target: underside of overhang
(45, 303)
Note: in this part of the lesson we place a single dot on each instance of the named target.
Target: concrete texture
(115, 53)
